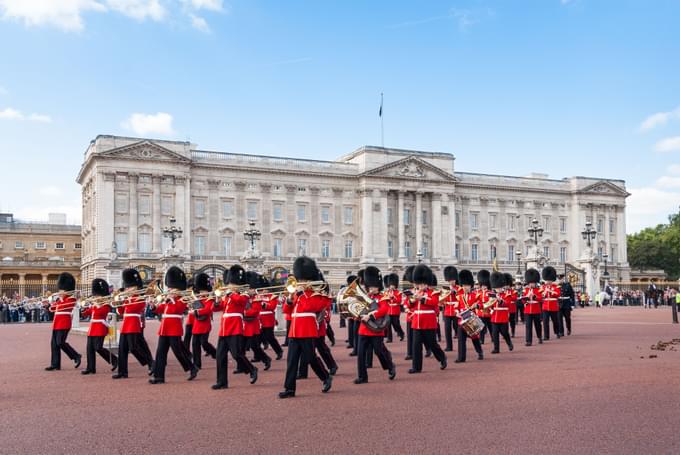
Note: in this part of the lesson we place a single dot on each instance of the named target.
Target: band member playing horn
(483, 294)
(99, 328)
(251, 320)
(371, 339)
(450, 303)
(551, 306)
(131, 333)
(467, 302)
(171, 310)
(425, 319)
(268, 321)
(407, 302)
(323, 319)
(511, 300)
(202, 314)
(230, 340)
(62, 308)
(532, 299)
(303, 328)
(394, 306)
(500, 313)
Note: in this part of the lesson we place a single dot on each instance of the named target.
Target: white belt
(394, 304)
(424, 312)
(304, 315)
(176, 316)
(451, 303)
(266, 312)
(63, 313)
(232, 315)
(132, 314)
(501, 309)
(103, 321)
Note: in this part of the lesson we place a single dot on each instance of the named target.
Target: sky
(562, 87)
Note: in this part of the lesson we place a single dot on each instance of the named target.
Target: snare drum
(471, 323)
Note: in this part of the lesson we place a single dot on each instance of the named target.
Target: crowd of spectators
(20, 310)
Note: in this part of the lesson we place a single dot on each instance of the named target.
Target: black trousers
(428, 338)
(513, 323)
(450, 324)
(532, 321)
(520, 312)
(269, 338)
(95, 345)
(395, 323)
(501, 329)
(547, 317)
(253, 343)
(233, 345)
(409, 340)
(324, 353)
(302, 349)
(200, 343)
(136, 344)
(565, 320)
(59, 344)
(462, 345)
(285, 343)
(374, 344)
(165, 343)
(343, 323)
(439, 330)
(330, 334)
(188, 332)
(487, 329)
(350, 332)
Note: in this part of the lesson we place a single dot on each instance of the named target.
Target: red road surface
(596, 391)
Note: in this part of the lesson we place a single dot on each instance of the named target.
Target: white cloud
(649, 206)
(673, 169)
(668, 182)
(12, 114)
(50, 191)
(199, 23)
(670, 144)
(63, 14)
(146, 124)
(659, 119)
(212, 5)
(139, 9)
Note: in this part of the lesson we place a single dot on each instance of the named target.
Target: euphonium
(359, 303)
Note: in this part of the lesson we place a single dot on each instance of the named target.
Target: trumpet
(228, 289)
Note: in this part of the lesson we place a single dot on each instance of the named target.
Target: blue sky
(579, 87)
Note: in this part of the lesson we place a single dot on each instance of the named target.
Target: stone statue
(114, 250)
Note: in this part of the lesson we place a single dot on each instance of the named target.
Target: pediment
(227, 230)
(200, 229)
(278, 231)
(604, 187)
(145, 150)
(302, 232)
(410, 167)
(325, 233)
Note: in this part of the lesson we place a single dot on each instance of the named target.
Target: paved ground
(597, 391)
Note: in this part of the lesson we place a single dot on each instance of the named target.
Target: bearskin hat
(360, 276)
(304, 269)
(392, 280)
(234, 275)
(483, 278)
(422, 274)
(532, 276)
(509, 280)
(549, 273)
(450, 273)
(131, 277)
(175, 278)
(465, 278)
(100, 287)
(497, 280)
(433, 280)
(372, 277)
(408, 273)
(351, 279)
(66, 282)
(201, 282)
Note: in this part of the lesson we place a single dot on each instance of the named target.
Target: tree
(657, 247)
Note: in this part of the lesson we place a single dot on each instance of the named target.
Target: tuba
(361, 304)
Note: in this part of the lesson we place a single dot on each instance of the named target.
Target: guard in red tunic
(230, 340)
(62, 308)
(188, 331)
(424, 321)
(251, 320)
(131, 333)
(483, 293)
(511, 300)
(394, 306)
(450, 303)
(467, 299)
(532, 298)
(201, 312)
(551, 302)
(500, 312)
(304, 328)
(369, 338)
(287, 310)
(324, 352)
(172, 310)
(408, 304)
(99, 328)
(268, 322)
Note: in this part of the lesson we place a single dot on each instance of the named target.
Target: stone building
(377, 205)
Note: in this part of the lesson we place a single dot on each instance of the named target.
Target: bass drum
(471, 323)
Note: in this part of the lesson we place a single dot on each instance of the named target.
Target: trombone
(118, 299)
(94, 301)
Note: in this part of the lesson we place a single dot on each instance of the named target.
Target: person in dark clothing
(567, 300)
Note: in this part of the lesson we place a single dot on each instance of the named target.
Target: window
(78, 246)
(589, 219)
(511, 252)
(390, 248)
(563, 225)
(325, 214)
(121, 203)
(40, 245)
(600, 225)
(166, 205)
(226, 246)
(407, 249)
(144, 205)
(278, 248)
(546, 251)
(612, 253)
(599, 252)
(325, 248)
(59, 246)
(457, 220)
(425, 250)
(424, 214)
(277, 211)
(511, 221)
(122, 242)
(252, 210)
(144, 242)
(407, 217)
(227, 209)
(389, 215)
(612, 226)
(348, 249)
(563, 254)
(302, 247)
(301, 213)
(199, 208)
(199, 245)
(456, 251)
(474, 253)
(349, 215)
(474, 220)
(19, 245)
(492, 252)
(546, 224)
(492, 221)
(165, 244)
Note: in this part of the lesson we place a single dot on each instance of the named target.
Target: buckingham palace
(383, 206)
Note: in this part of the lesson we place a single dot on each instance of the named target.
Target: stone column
(621, 240)
(179, 210)
(44, 283)
(104, 218)
(22, 284)
(401, 239)
(337, 242)
(134, 221)
(242, 221)
(187, 216)
(384, 228)
(452, 227)
(290, 248)
(313, 242)
(156, 210)
(266, 245)
(436, 227)
(213, 246)
(419, 222)
(366, 225)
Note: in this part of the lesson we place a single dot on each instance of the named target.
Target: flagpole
(382, 125)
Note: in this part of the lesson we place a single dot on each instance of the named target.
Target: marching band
(370, 303)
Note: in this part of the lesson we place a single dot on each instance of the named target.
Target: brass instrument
(317, 286)
(228, 289)
(186, 296)
(52, 299)
(94, 301)
(117, 299)
(359, 304)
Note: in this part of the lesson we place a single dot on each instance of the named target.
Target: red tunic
(205, 313)
(532, 301)
(551, 294)
(394, 302)
(98, 324)
(500, 313)
(133, 313)
(171, 313)
(303, 319)
(382, 311)
(190, 320)
(483, 298)
(63, 311)
(451, 302)
(466, 301)
(288, 308)
(425, 310)
(232, 306)
(268, 313)
(511, 300)
(408, 307)
(251, 317)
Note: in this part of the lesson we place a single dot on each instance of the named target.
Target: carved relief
(411, 170)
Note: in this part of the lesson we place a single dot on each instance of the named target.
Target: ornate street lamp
(519, 262)
(172, 232)
(252, 235)
(589, 233)
(535, 230)
(605, 256)
(419, 256)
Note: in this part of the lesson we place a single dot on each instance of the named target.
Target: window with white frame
(59, 246)
(144, 204)
(612, 226)
(167, 203)
(199, 208)
(325, 214)
(474, 220)
(348, 249)
(612, 253)
(389, 215)
(40, 245)
(252, 210)
(325, 248)
(563, 254)
(301, 213)
(407, 248)
(492, 252)
(546, 224)
(600, 251)
(226, 246)
(78, 246)
(348, 217)
(425, 251)
(302, 247)
(492, 221)
(390, 248)
(407, 217)
(589, 219)
(227, 209)
(144, 242)
(456, 251)
(278, 248)
(424, 215)
(458, 215)
(546, 251)
(511, 252)
(121, 203)
(474, 252)
(122, 242)
(563, 225)
(277, 212)
(199, 245)
(512, 218)
(600, 225)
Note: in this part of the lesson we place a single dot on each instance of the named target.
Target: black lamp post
(605, 256)
(535, 230)
(172, 232)
(519, 262)
(419, 256)
(589, 233)
(252, 235)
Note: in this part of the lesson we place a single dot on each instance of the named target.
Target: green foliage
(657, 248)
